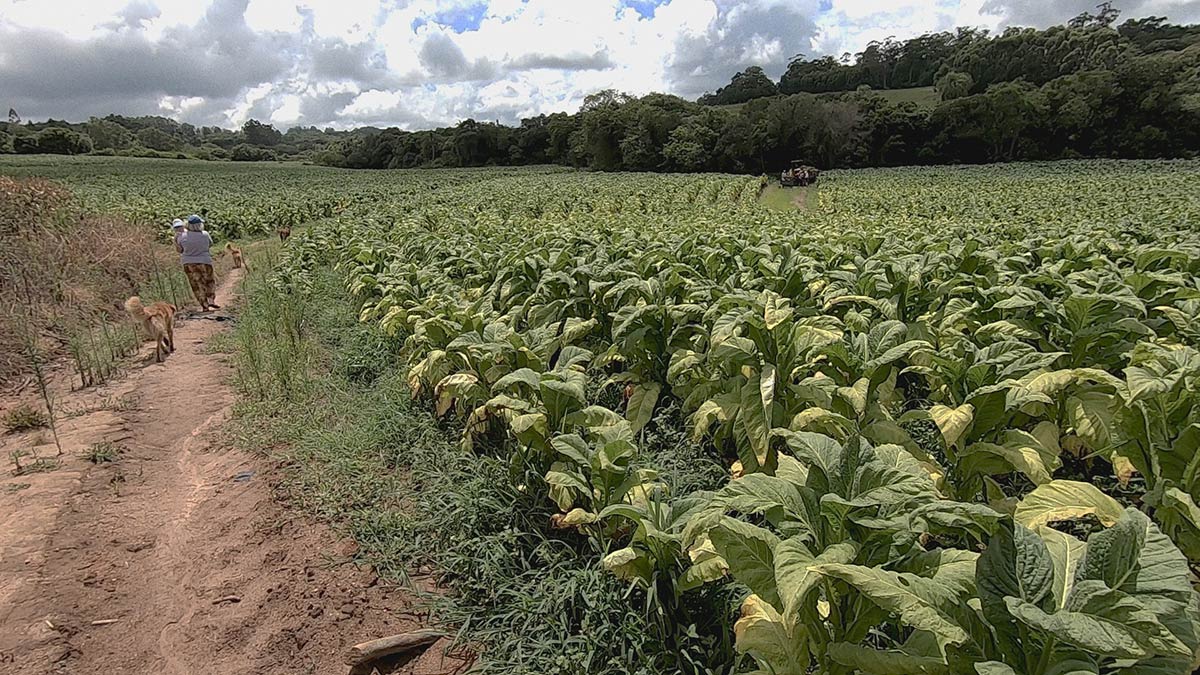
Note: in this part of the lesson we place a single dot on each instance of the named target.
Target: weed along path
(174, 557)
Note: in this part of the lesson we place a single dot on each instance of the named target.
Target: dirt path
(179, 543)
(800, 201)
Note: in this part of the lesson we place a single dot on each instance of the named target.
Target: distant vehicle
(799, 175)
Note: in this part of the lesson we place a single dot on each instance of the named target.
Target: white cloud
(371, 103)
(420, 62)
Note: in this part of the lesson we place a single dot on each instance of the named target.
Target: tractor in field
(799, 175)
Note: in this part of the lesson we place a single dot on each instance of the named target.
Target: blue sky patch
(644, 8)
(825, 5)
(462, 19)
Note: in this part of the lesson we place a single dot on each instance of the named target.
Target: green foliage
(925, 365)
(23, 418)
(749, 84)
(360, 452)
(102, 453)
(157, 139)
(108, 135)
(954, 85)
(244, 152)
(260, 134)
(608, 411)
(53, 140)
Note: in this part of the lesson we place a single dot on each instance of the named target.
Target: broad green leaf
(953, 422)
(1065, 552)
(593, 416)
(773, 496)
(794, 576)
(708, 412)
(776, 310)
(1179, 516)
(951, 567)
(1016, 564)
(756, 426)
(955, 518)
(1090, 412)
(1019, 456)
(1066, 500)
(576, 328)
(766, 391)
(1009, 330)
(856, 395)
(812, 449)
(562, 397)
(791, 470)
(822, 421)
(762, 633)
(573, 447)
(524, 376)
(706, 565)
(1134, 556)
(565, 485)
(530, 429)
(1047, 435)
(1159, 665)
(1143, 383)
(641, 404)
(1103, 621)
(896, 353)
(889, 662)
(628, 564)
(750, 552)
(918, 601)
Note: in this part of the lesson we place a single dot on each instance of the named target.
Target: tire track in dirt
(180, 543)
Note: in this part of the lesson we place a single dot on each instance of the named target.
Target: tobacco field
(955, 409)
(958, 405)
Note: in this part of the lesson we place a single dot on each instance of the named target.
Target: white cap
(176, 224)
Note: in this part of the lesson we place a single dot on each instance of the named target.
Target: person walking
(195, 251)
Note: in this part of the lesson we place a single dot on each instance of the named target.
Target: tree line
(155, 136)
(1089, 88)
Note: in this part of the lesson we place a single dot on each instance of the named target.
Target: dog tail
(135, 308)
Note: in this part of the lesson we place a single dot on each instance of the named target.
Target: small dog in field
(284, 233)
(238, 261)
(158, 320)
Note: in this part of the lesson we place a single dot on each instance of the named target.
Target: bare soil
(175, 558)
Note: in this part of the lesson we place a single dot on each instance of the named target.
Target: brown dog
(238, 261)
(158, 320)
(284, 233)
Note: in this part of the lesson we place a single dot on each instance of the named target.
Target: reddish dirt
(179, 544)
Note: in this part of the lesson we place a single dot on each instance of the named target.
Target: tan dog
(158, 320)
(238, 261)
(284, 233)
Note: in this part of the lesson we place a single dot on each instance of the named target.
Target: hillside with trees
(1090, 88)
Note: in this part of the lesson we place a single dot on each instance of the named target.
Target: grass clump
(102, 453)
(24, 417)
(26, 463)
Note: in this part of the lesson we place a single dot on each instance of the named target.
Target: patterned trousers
(203, 283)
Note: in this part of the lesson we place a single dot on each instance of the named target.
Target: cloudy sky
(423, 63)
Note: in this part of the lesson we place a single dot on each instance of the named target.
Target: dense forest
(1090, 88)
